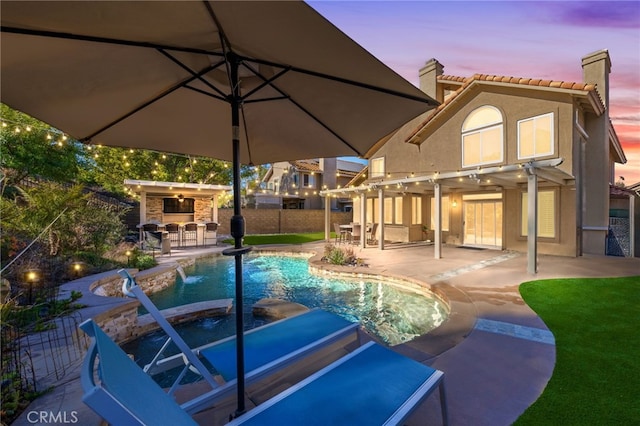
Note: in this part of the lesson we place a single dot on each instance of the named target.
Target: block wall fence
(268, 221)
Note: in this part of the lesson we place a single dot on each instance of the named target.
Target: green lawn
(254, 240)
(596, 380)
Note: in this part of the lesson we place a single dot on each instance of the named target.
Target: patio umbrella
(247, 82)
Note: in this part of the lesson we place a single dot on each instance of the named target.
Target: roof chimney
(428, 79)
(596, 68)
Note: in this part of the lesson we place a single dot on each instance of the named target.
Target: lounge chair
(372, 385)
(268, 349)
(124, 394)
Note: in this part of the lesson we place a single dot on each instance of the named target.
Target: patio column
(327, 218)
(143, 215)
(143, 207)
(363, 220)
(381, 218)
(437, 199)
(214, 208)
(532, 221)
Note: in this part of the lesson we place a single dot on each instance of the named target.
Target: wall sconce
(180, 198)
(454, 203)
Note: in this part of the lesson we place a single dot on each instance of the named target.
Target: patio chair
(341, 234)
(174, 233)
(150, 227)
(354, 235)
(146, 227)
(153, 241)
(372, 234)
(268, 349)
(371, 385)
(190, 233)
(210, 232)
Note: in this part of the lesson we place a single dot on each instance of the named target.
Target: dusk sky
(543, 39)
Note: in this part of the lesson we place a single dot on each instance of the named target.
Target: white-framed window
(393, 210)
(482, 137)
(308, 180)
(388, 210)
(535, 136)
(546, 214)
(377, 167)
(416, 210)
(445, 213)
(373, 212)
(397, 214)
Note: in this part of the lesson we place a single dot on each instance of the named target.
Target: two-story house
(297, 184)
(500, 161)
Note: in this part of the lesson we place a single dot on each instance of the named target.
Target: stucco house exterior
(297, 184)
(500, 160)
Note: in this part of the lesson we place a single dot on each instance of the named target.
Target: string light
(57, 139)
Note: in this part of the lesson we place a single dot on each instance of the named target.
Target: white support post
(143, 215)
(327, 218)
(214, 208)
(381, 218)
(363, 220)
(532, 222)
(143, 207)
(437, 244)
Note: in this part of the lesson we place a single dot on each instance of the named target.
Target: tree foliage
(32, 148)
(29, 147)
(111, 166)
(72, 221)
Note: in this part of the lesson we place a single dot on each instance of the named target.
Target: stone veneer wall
(154, 209)
(121, 322)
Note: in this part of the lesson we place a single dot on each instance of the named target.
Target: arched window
(482, 137)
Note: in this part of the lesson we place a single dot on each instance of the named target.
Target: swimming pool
(392, 313)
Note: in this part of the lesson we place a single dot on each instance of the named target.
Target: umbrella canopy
(154, 75)
(250, 82)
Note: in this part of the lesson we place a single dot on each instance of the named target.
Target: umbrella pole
(237, 231)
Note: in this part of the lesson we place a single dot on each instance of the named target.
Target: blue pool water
(393, 314)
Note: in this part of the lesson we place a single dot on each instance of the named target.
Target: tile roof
(306, 166)
(465, 82)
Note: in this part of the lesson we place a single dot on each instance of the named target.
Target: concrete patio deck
(496, 353)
